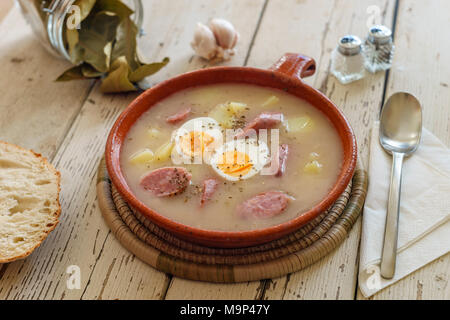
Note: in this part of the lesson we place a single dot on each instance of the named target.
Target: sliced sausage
(209, 187)
(265, 120)
(264, 205)
(179, 116)
(167, 181)
(283, 152)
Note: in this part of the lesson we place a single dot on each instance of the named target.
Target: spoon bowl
(401, 123)
(400, 132)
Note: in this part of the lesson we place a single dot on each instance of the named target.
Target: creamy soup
(243, 183)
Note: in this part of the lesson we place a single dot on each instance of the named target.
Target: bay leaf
(125, 43)
(106, 34)
(89, 72)
(116, 6)
(95, 36)
(74, 73)
(72, 45)
(148, 69)
(72, 37)
(85, 7)
(117, 80)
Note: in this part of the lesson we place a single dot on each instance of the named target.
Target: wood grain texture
(193, 290)
(172, 33)
(424, 71)
(36, 112)
(305, 27)
(82, 238)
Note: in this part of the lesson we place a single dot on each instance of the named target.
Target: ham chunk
(167, 181)
(282, 159)
(266, 120)
(209, 187)
(179, 116)
(264, 205)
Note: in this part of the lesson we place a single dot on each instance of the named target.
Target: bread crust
(56, 214)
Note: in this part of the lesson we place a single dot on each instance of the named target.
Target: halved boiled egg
(196, 139)
(240, 159)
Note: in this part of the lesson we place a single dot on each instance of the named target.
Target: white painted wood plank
(35, 111)
(172, 34)
(422, 67)
(195, 290)
(428, 283)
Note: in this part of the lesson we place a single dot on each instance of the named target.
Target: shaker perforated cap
(349, 45)
(379, 34)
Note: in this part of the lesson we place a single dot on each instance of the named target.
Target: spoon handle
(389, 253)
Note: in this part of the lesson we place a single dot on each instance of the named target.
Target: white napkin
(424, 229)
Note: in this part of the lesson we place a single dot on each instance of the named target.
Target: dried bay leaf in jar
(49, 20)
(97, 36)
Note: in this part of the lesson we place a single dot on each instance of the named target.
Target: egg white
(206, 125)
(257, 151)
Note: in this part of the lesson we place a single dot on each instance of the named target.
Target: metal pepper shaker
(347, 61)
(378, 49)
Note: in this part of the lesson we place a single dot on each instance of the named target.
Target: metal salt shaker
(378, 49)
(347, 61)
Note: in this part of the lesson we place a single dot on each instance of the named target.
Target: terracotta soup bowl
(286, 75)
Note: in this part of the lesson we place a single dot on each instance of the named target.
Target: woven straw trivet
(183, 259)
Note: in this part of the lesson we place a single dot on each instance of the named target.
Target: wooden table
(69, 122)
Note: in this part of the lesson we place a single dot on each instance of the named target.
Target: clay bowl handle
(295, 65)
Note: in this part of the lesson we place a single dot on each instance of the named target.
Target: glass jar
(378, 49)
(347, 61)
(47, 19)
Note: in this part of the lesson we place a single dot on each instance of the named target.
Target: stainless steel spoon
(400, 131)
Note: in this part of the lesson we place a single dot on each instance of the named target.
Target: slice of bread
(29, 201)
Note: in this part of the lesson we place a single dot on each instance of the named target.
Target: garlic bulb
(215, 41)
(204, 42)
(226, 35)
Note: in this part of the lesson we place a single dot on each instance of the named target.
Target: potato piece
(163, 152)
(313, 167)
(299, 124)
(142, 157)
(225, 114)
(236, 107)
(271, 101)
(153, 133)
(221, 115)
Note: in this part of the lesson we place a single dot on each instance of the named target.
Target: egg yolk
(235, 163)
(195, 143)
